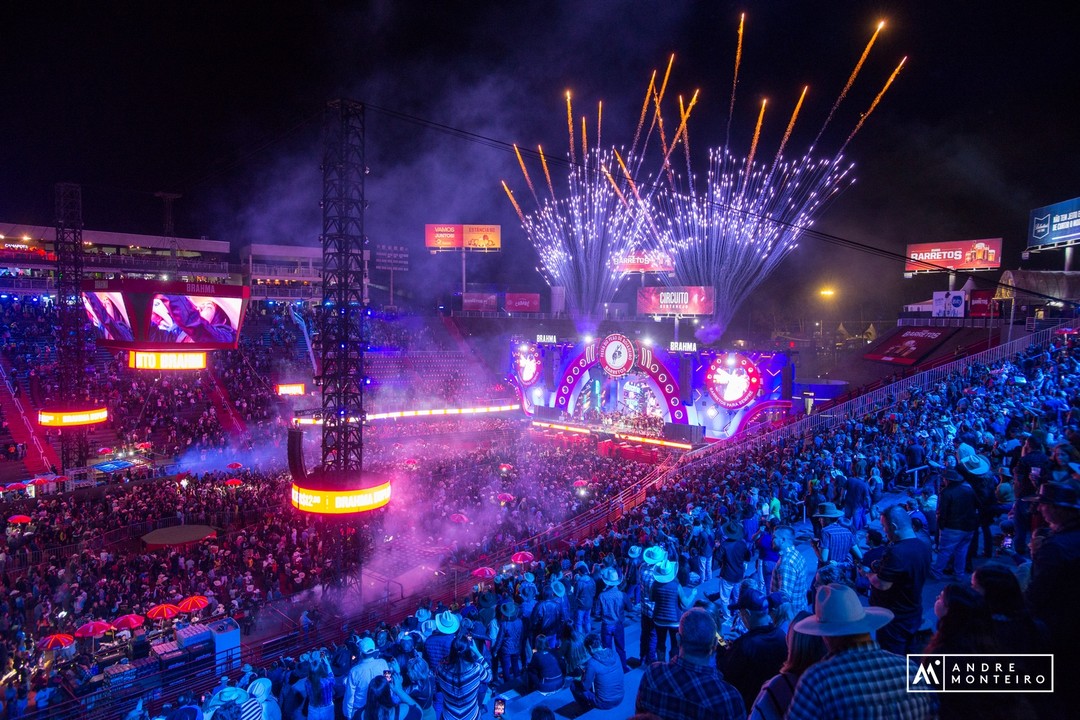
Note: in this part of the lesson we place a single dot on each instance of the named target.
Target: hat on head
(486, 599)
(1062, 494)
(423, 614)
(828, 510)
(581, 565)
(838, 612)
(634, 552)
(732, 530)
(367, 646)
(610, 576)
(694, 579)
(666, 570)
(447, 622)
(751, 600)
(246, 667)
(529, 577)
(509, 610)
(654, 555)
(953, 476)
(975, 464)
(558, 589)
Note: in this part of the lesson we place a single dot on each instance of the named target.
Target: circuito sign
(733, 380)
(617, 355)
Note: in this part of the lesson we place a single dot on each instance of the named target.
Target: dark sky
(220, 101)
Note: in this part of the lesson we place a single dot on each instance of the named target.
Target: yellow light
(72, 418)
(291, 389)
(654, 441)
(826, 292)
(340, 502)
(558, 426)
(166, 360)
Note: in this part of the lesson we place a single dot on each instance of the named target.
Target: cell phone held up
(500, 707)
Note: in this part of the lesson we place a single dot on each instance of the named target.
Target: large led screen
(158, 315)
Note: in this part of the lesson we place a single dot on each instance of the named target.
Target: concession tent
(177, 535)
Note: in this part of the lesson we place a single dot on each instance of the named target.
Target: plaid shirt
(838, 540)
(861, 682)
(679, 690)
(790, 575)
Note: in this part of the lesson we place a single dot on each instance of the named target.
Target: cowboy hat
(1062, 494)
(838, 612)
(654, 555)
(558, 589)
(610, 576)
(732, 530)
(486, 600)
(975, 464)
(447, 623)
(509, 610)
(634, 552)
(665, 571)
(529, 577)
(828, 510)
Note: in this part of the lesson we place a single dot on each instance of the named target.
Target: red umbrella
(411, 461)
(506, 469)
(128, 622)
(234, 482)
(93, 629)
(19, 519)
(164, 611)
(104, 451)
(54, 642)
(581, 483)
(16, 486)
(458, 518)
(41, 481)
(234, 466)
(505, 497)
(484, 573)
(60, 478)
(193, 603)
(143, 446)
(522, 557)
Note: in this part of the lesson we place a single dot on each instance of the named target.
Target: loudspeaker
(686, 366)
(684, 433)
(296, 454)
(787, 380)
(542, 412)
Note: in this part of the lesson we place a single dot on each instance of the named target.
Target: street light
(827, 294)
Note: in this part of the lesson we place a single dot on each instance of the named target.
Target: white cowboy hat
(654, 555)
(838, 612)
(665, 571)
(447, 622)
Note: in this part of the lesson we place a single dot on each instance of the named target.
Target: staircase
(227, 415)
(22, 427)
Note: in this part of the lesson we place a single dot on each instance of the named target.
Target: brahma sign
(690, 300)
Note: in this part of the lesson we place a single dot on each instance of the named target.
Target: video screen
(109, 316)
(194, 319)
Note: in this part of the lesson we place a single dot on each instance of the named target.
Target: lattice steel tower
(344, 301)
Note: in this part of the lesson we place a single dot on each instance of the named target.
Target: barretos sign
(480, 302)
(909, 346)
(675, 301)
(982, 254)
(644, 262)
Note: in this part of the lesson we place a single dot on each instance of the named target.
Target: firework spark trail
(599, 119)
(514, 202)
(570, 126)
(757, 135)
(525, 172)
(584, 140)
(547, 172)
(873, 104)
(644, 110)
(787, 132)
(734, 81)
(850, 82)
(681, 133)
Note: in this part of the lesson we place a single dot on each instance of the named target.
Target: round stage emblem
(528, 364)
(733, 381)
(617, 355)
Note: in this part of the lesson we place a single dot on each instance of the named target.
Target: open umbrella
(581, 483)
(128, 622)
(164, 611)
(522, 557)
(234, 482)
(60, 478)
(505, 497)
(93, 629)
(193, 603)
(505, 468)
(459, 518)
(234, 465)
(55, 642)
(41, 481)
(484, 573)
(104, 451)
(16, 486)
(19, 519)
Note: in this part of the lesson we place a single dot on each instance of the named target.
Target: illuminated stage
(685, 394)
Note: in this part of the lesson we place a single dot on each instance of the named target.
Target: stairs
(22, 426)
(227, 415)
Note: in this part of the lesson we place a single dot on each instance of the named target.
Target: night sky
(221, 102)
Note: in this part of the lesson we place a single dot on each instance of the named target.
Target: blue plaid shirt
(679, 690)
(861, 682)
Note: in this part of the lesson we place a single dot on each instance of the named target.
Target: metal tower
(71, 320)
(344, 302)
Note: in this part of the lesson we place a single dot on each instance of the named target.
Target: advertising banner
(442, 237)
(481, 238)
(691, 300)
(644, 261)
(950, 303)
(391, 257)
(480, 302)
(1054, 225)
(909, 346)
(982, 304)
(522, 302)
(984, 254)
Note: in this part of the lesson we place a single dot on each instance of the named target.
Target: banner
(950, 303)
(644, 262)
(392, 257)
(691, 300)
(442, 237)
(1055, 225)
(909, 346)
(522, 302)
(982, 304)
(482, 238)
(984, 254)
(480, 302)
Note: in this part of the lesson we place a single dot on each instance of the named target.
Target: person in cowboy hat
(665, 596)
(650, 558)
(631, 571)
(584, 597)
(976, 468)
(958, 517)
(509, 646)
(1055, 567)
(548, 616)
(858, 675)
(612, 614)
(837, 543)
(437, 646)
(732, 555)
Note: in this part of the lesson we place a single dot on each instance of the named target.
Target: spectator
(858, 675)
(361, 675)
(545, 673)
(665, 596)
(602, 685)
(775, 697)
(958, 518)
(789, 577)
(612, 615)
(896, 582)
(462, 679)
(689, 687)
(755, 656)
